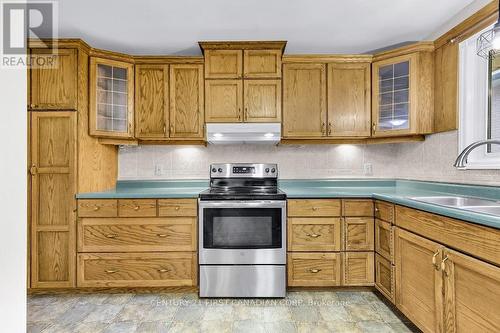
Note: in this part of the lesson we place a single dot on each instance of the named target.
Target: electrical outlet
(158, 169)
(368, 169)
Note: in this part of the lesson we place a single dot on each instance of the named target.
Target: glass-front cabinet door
(111, 98)
(393, 84)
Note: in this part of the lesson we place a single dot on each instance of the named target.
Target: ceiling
(309, 26)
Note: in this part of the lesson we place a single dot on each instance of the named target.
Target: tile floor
(339, 311)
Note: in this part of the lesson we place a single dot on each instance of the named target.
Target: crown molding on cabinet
(242, 45)
(326, 58)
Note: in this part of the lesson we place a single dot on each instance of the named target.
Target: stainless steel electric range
(242, 232)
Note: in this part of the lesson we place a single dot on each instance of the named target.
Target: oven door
(242, 232)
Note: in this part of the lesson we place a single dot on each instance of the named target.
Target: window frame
(474, 96)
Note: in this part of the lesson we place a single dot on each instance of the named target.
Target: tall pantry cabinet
(63, 160)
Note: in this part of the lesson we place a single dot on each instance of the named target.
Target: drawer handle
(376, 210)
(443, 265)
(162, 235)
(96, 208)
(313, 235)
(434, 260)
(111, 271)
(163, 270)
(315, 270)
(314, 208)
(136, 208)
(111, 236)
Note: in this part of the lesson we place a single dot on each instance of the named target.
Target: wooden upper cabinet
(349, 105)
(262, 64)
(111, 98)
(151, 102)
(54, 86)
(446, 88)
(418, 280)
(223, 64)
(472, 294)
(186, 101)
(224, 101)
(304, 100)
(262, 101)
(402, 95)
(53, 204)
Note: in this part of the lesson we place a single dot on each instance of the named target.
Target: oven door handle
(243, 204)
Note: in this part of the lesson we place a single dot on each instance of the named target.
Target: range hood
(237, 133)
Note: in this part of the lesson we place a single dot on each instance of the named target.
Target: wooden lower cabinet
(384, 211)
(384, 239)
(358, 269)
(314, 207)
(358, 233)
(472, 294)
(418, 280)
(314, 234)
(384, 277)
(137, 269)
(314, 269)
(137, 234)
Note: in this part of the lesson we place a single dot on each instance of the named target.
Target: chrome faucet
(461, 160)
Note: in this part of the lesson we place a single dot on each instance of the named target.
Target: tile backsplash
(431, 159)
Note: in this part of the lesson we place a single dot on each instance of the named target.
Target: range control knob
(214, 170)
(267, 170)
(273, 170)
(220, 170)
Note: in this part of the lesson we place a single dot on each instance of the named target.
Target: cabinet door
(358, 233)
(418, 280)
(224, 101)
(262, 101)
(186, 101)
(304, 100)
(223, 64)
(384, 277)
(53, 204)
(54, 86)
(472, 294)
(384, 239)
(262, 64)
(349, 105)
(151, 102)
(394, 95)
(111, 98)
(358, 269)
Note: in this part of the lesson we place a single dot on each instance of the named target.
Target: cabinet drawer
(358, 233)
(358, 269)
(137, 269)
(357, 208)
(384, 239)
(314, 234)
(313, 207)
(177, 207)
(384, 211)
(136, 208)
(314, 269)
(136, 234)
(97, 208)
(384, 277)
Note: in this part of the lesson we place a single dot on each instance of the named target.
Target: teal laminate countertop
(391, 190)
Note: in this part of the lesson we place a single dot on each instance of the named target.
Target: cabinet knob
(434, 260)
(32, 105)
(111, 236)
(111, 271)
(313, 235)
(374, 127)
(177, 207)
(246, 113)
(136, 208)
(330, 128)
(443, 265)
(376, 210)
(163, 270)
(315, 270)
(323, 128)
(165, 129)
(161, 235)
(96, 208)
(33, 170)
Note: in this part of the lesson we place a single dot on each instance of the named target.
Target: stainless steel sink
(456, 202)
(477, 205)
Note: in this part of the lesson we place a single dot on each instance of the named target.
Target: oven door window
(242, 228)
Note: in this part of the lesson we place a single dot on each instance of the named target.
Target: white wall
(431, 159)
(13, 202)
(310, 161)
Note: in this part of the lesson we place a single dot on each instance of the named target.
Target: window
(479, 104)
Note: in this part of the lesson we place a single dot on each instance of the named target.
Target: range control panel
(239, 170)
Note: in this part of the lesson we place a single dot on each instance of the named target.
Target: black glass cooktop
(242, 193)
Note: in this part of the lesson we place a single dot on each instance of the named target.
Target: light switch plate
(367, 169)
